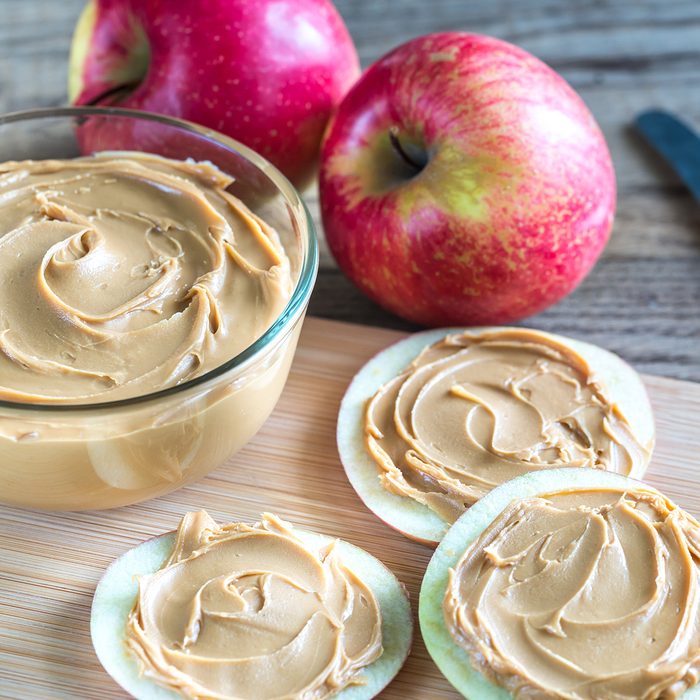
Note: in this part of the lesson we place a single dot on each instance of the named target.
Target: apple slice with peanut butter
(567, 583)
(433, 423)
(252, 612)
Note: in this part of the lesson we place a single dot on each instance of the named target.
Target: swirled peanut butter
(477, 409)
(124, 273)
(252, 612)
(583, 594)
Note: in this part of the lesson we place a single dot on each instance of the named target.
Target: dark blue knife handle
(676, 142)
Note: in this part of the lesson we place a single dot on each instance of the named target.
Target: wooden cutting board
(51, 562)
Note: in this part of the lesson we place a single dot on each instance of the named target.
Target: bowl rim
(283, 323)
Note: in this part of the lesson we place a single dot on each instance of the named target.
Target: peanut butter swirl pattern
(475, 410)
(126, 273)
(251, 612)
(583, 594)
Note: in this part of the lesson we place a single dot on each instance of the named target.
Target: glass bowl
(103, 455)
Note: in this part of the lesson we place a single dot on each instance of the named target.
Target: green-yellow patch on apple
(449, 55)
(124, 69)
(372, 171)
(453, 183)
(79, 49)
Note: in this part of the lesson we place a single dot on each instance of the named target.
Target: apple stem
(417, 165)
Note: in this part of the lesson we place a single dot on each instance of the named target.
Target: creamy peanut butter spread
(475, 410)
(583, 594)
(252, 612)
(125, 273)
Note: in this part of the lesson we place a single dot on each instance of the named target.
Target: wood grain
(622, 56)
(51, 562)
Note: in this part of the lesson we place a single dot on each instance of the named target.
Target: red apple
(463, 181)
(268, 73)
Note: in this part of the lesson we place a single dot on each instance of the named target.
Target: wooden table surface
(643, 298)
(50, 563)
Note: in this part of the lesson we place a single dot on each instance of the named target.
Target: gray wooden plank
(645, 309)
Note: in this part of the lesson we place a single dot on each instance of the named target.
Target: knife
(676, 142)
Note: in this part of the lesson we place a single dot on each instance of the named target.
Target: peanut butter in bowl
(127, 274)
(130, 283)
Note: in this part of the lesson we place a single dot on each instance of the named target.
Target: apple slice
(116, 594)
(450, 658)
(413, 519)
